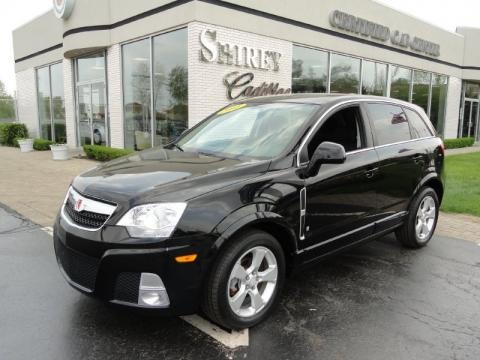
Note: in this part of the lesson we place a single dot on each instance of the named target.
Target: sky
(447, 14)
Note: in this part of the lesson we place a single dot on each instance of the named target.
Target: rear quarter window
(389, 123)
(417, 124)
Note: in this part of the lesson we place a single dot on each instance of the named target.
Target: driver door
(341, 199)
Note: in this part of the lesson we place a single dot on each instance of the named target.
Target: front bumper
(111, 271)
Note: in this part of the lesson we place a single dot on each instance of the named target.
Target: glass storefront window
(91, 67)
(472, 90)
(439, 100)
(43, 96)
(170, 86)
(51, 109)
(58, 103)
(309, 70)
(427, 90)
(374, 78)
(136, 94)
(421, 89)
(169, 76)
(400, 83)
(344, 74)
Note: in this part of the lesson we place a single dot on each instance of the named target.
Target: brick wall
(115, 102)
(69, 94)
(206, 90)
(27, 100)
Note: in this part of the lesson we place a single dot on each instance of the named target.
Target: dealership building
(135, 74)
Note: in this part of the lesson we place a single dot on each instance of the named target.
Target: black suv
(216, 219)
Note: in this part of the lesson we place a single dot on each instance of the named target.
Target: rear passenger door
(420, 131)
(399, 166)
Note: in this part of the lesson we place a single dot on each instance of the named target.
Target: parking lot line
(48, 230)
(231, 339)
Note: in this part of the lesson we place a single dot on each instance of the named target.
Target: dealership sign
(356, 25)
(237, 55)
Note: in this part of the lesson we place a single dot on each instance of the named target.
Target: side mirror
(326, 153)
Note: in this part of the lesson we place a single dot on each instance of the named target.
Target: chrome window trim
(403, 142)
(353, 101)
(359, 150)
(90, 205)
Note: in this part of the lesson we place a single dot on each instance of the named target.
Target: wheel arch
(435, 183)
(268, 222)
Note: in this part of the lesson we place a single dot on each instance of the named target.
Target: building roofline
(417, 18)
(31, 20)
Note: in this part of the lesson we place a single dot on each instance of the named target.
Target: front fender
(253, 215)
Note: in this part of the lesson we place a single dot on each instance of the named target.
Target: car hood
(164, 175)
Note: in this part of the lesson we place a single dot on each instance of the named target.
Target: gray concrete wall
(471, 52)
(27, 109)
(39, 34)
(107, 12)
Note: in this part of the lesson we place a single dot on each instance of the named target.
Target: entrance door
(474, 121)
(90, 78)
(91, 114)
(470, 119)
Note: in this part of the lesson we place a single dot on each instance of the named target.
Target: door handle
(371, 173)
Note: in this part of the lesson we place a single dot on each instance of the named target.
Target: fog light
(152, 292)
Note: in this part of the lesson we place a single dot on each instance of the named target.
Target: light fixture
(152, 292)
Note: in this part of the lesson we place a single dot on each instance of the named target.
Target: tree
(178, 84)
(7, 104)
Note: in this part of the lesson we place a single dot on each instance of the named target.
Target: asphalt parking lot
(378, 301)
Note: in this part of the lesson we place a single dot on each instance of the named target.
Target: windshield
(248, 130)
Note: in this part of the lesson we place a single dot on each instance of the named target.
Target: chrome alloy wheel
(425, 220)
(252, 281)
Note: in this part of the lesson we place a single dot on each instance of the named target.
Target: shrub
(104, 153)
(458, 143)
(10, 132)
(42, 144)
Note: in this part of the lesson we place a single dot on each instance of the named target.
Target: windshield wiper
(206, 153)
(177, 146)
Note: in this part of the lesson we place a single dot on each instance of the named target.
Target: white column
(115, 96)
(69, 94)
(452, 111)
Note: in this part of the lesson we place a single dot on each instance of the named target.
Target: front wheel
(421, 221)
(246, 281)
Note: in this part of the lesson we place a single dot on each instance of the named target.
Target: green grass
(462, 193)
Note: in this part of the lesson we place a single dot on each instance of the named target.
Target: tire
(222, 285)
(408, 234)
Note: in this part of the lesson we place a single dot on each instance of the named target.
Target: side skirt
(303, 263)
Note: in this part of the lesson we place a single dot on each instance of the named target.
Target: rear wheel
(420, 224)
(246, 281)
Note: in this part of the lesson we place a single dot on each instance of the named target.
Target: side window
(389, 123)
(344, 127)
(418, 127)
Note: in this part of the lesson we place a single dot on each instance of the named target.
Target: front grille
(126, 287)
(81, 269)
(84, 218)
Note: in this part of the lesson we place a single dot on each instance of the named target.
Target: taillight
(442, 147)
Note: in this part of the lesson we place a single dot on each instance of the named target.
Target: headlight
(153, 220)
